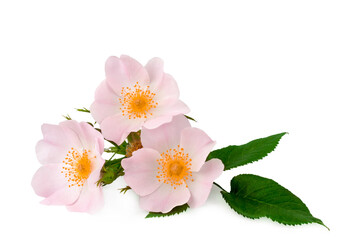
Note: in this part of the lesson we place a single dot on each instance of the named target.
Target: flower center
(174, 167)
(137, 102)
(77, 167)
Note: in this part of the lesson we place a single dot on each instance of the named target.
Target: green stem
(112, 156)
(217, 185)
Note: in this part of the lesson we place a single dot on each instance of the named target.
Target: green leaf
(190, 118)
(118, 149)
(235, 156)
(83, 110)
(67, 117)
(110, 171)
(254, 197)
(124, 190)
(174, 211)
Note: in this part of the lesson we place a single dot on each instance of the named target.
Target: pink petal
(94, 139)
(123, 72)
(106, 103)
(135, 71)
(167, 90)
(117, 127)
(63, 196)
(203, 181)
(116, 74)
(60, 136)
(165, 198)
(141, 170)
(155, 122)
(91, 197)
(97, 163)
(198, 145)
(49, 153)
(90, 138)
(48, 179)
(155, 69)
(166, 136)
(163, 113)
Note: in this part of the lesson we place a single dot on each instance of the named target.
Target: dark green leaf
(90, 124)
(124, 190)
(235, 156)
(254, 197)
(174, 211)
(190, 118)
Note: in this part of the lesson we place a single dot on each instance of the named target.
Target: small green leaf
(118, 149)
(111, 170)
(91, 124)
(83, 110)
(124, 190)
(190, 118)
(174, 211)
(67, 117)
(235, 156)
(254, 197)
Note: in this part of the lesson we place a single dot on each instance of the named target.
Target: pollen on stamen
(174, 167)
(77, 167)
(137, 102)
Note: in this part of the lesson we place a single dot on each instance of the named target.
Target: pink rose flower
(71, 157)
(170, 170)
(133, 96)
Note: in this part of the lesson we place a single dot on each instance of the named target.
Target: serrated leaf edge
(253, 161)
(274, 220)
(159, 214)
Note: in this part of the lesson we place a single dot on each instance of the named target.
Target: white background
(247, 69)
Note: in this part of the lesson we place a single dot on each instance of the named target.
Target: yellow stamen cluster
(174, 167)
(77, 167)
(137, 102)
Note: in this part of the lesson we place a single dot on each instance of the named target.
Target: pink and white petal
(49, 153)
(198, 145)
(116, 74)
(155, 122)
(168, 109)
(59, 136)
(165, 198)
(135, 71)
(93, 139)
(166, 136)
(48, 179)
(167, 90)
(87, 136)
(203, 181)
(91, 197)
(105, 94)
(178, 107)
(106, 103)
(117, 127)
(90, 200)
(63, 196)
(100, 111)
(97, 161)
(141, 171)
(155, 70)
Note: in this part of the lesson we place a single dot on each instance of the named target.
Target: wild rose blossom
(170, 170)
(71, 157)
(133, 96)
(164, 163)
